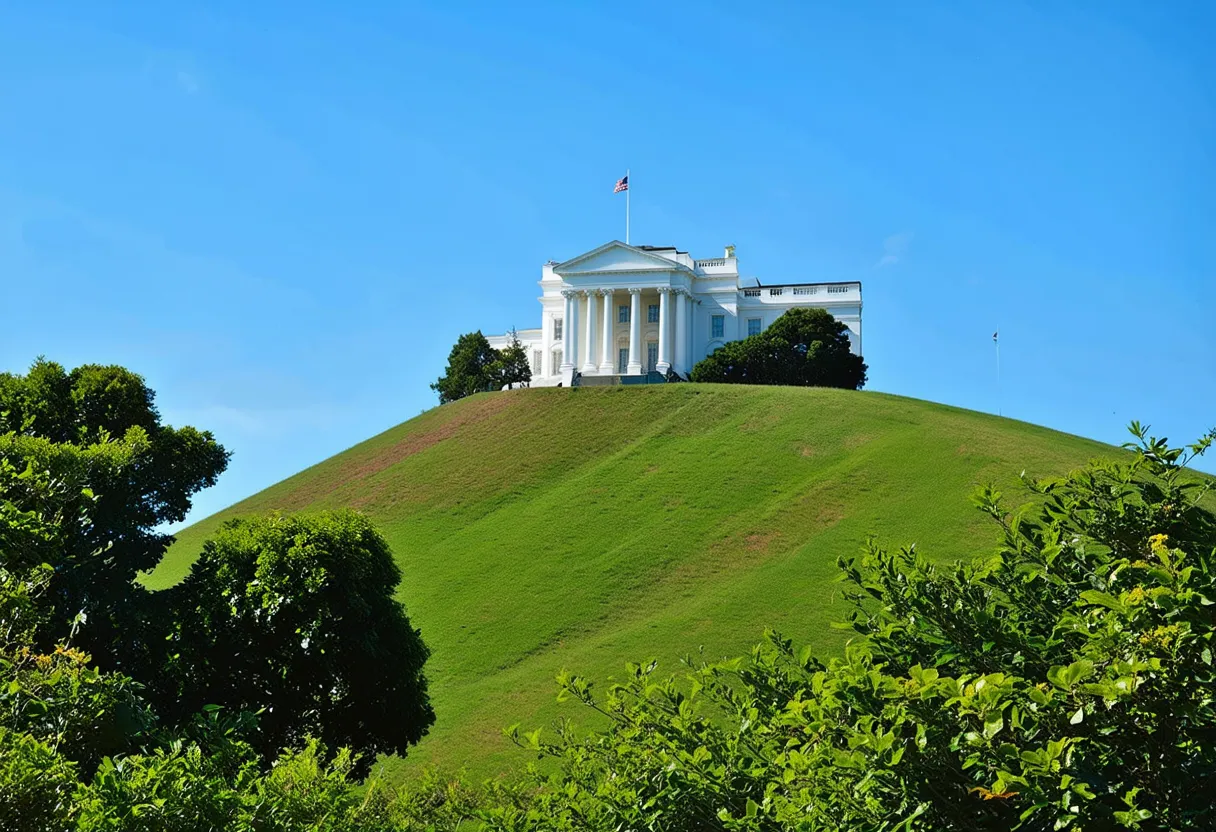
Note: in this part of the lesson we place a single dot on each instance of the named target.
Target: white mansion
(624, 310)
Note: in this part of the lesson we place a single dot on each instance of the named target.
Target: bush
(293, 618)
(804, 347)
(36, 785)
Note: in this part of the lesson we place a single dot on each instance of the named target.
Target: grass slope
(542, 529)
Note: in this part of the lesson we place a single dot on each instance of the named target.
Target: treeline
(1064, 681)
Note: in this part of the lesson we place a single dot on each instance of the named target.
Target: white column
(607, 359)
(568, 314)
(691, 357)
(681, 350)
(635, 333)
(589, 337)
(664, 363)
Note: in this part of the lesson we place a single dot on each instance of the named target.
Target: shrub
(804, 347)
(294, 618)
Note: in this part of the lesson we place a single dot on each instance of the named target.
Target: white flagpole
(628, 188)
(997, 341)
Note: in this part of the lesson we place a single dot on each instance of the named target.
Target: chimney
(730, 252)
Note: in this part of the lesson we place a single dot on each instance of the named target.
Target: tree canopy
(804, 347)
(475, 367)
(290, 621)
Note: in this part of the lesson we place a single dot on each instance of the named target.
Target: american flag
(622, 184)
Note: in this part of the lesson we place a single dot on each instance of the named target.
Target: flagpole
(628, 188)
(997, 341)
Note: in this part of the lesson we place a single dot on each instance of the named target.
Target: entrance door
(652, 356)
(622, 360)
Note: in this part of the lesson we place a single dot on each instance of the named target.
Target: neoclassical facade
(629, 310)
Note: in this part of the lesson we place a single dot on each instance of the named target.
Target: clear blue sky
(283, 214)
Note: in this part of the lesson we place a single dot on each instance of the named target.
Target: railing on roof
(712, 262)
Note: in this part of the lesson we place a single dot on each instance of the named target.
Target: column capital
(634, 290)
(587, 293)
(666, 290)
(570, 293)
(607, 292)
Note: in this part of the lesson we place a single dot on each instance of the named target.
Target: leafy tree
(472, 367)
(294, 618)
(804, 347)
(512, 365)
(95, 440)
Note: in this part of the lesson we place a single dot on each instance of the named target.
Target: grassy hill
(542, 529)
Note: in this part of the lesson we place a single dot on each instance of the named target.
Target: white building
(624, 310)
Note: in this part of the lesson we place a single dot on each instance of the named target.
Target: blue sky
(283, 214)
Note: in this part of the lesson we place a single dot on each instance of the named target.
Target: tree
(88, 475)
(512, 365)
(294, 618)
(471, 368)
(804, 347)
(95, 448)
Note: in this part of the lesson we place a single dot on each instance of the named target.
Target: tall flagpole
(628, 188)
(997, 340)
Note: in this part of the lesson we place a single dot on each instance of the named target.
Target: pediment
(615, 258)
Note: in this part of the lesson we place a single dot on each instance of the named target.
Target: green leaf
(993, 723)
(1078, 716)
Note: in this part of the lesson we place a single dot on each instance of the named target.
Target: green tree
(804, 347)
(100, 451)
(471, 368)
(512, 365)
(294, 618)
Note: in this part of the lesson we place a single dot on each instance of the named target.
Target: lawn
(550, 528)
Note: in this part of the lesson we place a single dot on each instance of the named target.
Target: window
(557, 360)
(652, 313)
(536, 357)
(753, 326)
(717, 326)
(622, 360)
(652, 356)
(557, 329)
(622, 314)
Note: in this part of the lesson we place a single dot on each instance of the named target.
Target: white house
(628, 310)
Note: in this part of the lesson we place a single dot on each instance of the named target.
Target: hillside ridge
(541, 529)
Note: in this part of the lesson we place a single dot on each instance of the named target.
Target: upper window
(753, 326)
(557, 329)
(652, 313)
(717, 326)
(622, 314)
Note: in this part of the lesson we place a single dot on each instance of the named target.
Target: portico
(631, 310)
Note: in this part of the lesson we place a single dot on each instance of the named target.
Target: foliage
(473, 367)
(85, 454)
(291, 619)
(294, 618)
(512, 365)
(804, 347)
(36, 785)
(1066, 682)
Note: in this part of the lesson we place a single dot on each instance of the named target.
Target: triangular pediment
(615, 258)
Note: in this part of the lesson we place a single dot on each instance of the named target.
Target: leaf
(993, 723)
(1104, 599)
(1078, 716)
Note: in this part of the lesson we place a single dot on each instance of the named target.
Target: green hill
(542, 529)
